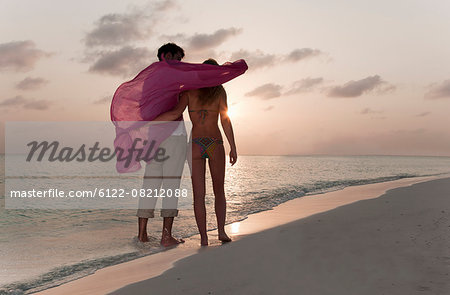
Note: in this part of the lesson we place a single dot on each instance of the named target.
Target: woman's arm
(176, 112)
(227, 127)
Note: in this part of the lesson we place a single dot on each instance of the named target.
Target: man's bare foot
(224, 238)
(204, 241)
(143, 238)
(170, 241)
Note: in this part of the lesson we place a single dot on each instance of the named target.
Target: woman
(205, 105)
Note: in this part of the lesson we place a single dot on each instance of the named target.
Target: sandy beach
(364, 241)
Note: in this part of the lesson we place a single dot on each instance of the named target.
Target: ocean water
(44, 248)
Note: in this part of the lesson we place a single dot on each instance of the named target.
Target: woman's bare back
(204, 116)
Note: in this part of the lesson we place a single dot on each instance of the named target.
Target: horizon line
(332, 155)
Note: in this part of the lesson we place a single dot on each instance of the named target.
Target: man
(154, 91)
(165, 174)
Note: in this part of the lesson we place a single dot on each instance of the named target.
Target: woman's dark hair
(170, 48)
(209, 94)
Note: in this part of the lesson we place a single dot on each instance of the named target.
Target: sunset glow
(324, 77)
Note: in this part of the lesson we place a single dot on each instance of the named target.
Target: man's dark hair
(170, 48)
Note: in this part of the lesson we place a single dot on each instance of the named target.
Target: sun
(231, 111)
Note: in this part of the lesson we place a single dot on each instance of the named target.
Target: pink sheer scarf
(154, 91)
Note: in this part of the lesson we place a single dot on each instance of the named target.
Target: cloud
(424, 114)
(123, 62)
(198, 47)
(304, 85)
(266, 91)
(31, 83)
(202, 42)
(299, 54)
(37, 105)
(385, 88)
(441, 90)
(164, 5)
(25, 103)
(20, 56)
(110, 47)
(271, 90)
(14, 101)
(368, 111)
(104, 100)
(122, 28)
(359, 87)
(116, 29)
(258, 59)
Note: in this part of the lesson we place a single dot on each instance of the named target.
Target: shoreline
(117, 276)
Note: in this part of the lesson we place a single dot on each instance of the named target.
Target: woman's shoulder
(221, 92)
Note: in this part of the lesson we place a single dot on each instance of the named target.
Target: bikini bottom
(207, 145)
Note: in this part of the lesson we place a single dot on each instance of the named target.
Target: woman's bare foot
(143, 238)
(204, 241)
(170, 241)
(224, 238)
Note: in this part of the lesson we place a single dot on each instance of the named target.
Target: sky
(325, 77)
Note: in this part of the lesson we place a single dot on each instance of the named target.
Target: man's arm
(177, 111)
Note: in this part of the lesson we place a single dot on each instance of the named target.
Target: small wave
(327, 186)
(64, 274)
(268, 200)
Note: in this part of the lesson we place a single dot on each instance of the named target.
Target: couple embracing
(161, 92)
